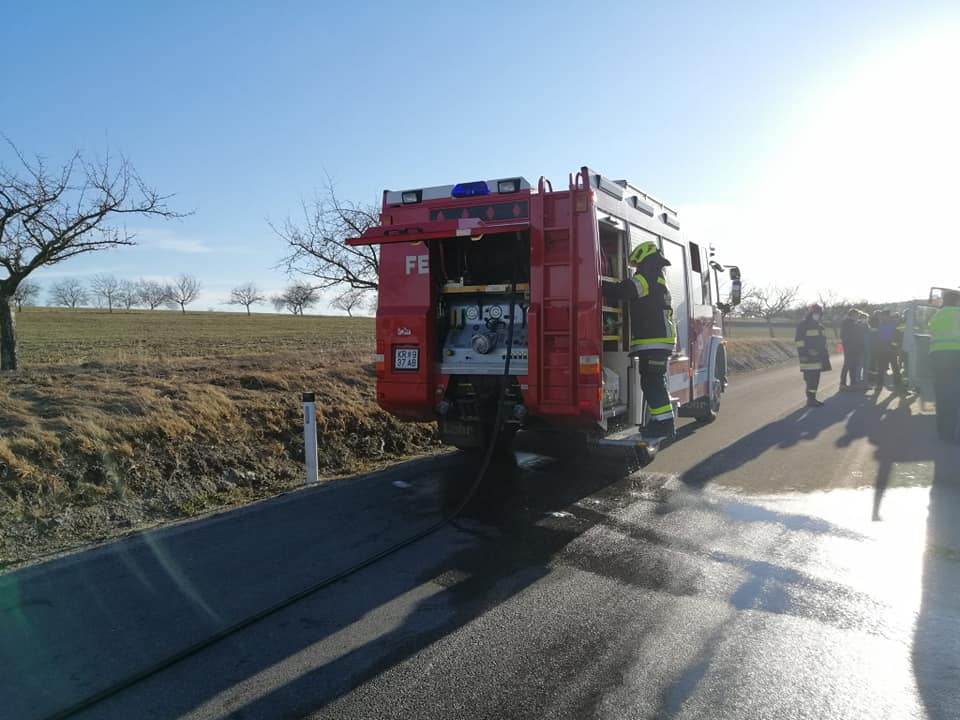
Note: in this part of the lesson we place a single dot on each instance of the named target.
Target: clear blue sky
(240, 108)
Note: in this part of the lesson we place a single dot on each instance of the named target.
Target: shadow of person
(936, 643)
(904, 444)
(802, 425)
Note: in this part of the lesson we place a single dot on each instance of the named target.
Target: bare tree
(129, 294)
(770, 303)
(317, 242)
(247, 294)
(48, 216)
(349, 300)
(296, 298)
(69, 292)
(835, 309)
(107, 288)
(183, 291)
(26, 293)
(153, 294)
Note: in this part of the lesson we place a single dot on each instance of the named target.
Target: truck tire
(718, 382)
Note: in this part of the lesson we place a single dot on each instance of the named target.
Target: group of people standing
(872, 346)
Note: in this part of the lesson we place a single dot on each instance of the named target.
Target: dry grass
(125, 420)
(122, 437)
(755, 353)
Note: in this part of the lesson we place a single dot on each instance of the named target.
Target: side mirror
(736, 287)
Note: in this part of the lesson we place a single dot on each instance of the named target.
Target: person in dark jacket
(653, 335)
(852, 337)
(887, 349)
(812, 352)
(873, 348)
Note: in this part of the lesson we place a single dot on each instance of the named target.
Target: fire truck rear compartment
(484, 291)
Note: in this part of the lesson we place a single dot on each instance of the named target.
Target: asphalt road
(742, 574)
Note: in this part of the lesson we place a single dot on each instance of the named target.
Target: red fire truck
(492, 315)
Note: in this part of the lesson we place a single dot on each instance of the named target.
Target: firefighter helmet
(644, 250)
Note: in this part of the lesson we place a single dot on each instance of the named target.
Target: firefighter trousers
(812, 379)
(653, 382)
(946, 386)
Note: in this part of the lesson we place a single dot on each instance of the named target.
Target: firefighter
(945, 356)
(812, 352)
(653, 335)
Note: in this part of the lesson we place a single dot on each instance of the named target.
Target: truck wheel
(717, 382)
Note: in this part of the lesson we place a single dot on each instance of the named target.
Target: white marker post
(310, 436)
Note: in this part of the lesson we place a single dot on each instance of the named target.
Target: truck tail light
(378, 361)
(589, 367)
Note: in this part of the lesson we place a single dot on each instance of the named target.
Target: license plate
(406, 359)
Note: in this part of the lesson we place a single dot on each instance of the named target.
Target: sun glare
(864, 178)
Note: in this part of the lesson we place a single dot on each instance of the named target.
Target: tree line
(783, 302)
(110, 292)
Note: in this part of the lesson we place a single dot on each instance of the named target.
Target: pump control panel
(476, 339)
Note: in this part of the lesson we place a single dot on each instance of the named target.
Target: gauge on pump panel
(496, 312)
(473, 313)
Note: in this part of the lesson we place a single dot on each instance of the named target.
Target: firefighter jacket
(812, 345)
(651, 311)
(945, 329)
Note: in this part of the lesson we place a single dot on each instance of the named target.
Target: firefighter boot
(812, 401)
(660, 429)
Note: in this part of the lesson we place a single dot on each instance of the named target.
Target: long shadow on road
(936, 644)
(72, 626)
(907, 453)
(501, 546)
(904, 444)
(800, 426)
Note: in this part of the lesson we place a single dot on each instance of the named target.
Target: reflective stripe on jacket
(945, 329)
(811, 345)
(651, 313)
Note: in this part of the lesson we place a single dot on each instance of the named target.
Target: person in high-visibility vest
(653, 334)
(945, 357)
(812, 352)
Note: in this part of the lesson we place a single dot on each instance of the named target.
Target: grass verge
(126, 420)
(748, 354)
